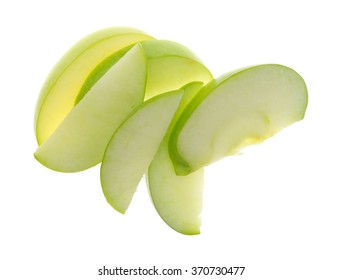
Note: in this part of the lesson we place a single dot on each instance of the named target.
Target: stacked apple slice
(139, 106)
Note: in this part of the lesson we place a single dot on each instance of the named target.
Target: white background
(276, 209)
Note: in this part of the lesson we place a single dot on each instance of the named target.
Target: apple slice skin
(133, 146)
(57, 96)
(162, 48)
(235, 110)
(80, 141)
(177, 199)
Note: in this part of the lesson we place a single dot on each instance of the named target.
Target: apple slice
(133, 146)
(236, 110)
(99, 71)
(170, 65)
(58, 94)
(80, 140)
(177, 199)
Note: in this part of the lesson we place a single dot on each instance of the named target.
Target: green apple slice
(177, 199)
(100, 70)
(236, 110)
(133, 146)
(170, 65)
(58, 94)
(80, 140)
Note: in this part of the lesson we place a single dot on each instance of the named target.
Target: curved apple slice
(170, 65)
(80, 140)
(58, 94)
(133, 146)
(177, 199)
(236, 110)
(169, 73)
(99, 71)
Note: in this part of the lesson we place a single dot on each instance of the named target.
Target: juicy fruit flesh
(61, 89)
(244, 108)
(177, 199)
(176, 72)
(133, 146)
(99, 71)
(169, 66)
(97, 89)
(80, 141)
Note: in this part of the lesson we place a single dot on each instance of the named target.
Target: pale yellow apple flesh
(145, 106)
(80, 140)
(236, 110)
(133, 147)
(177, 199)
(58, 94)
(169, 73)
(170, 65)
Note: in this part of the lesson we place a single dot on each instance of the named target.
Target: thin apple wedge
(58, 94)
(133, 146)
(80, 140)
(237, 109)
(99, 71)
(177, 199)
(171, 65)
